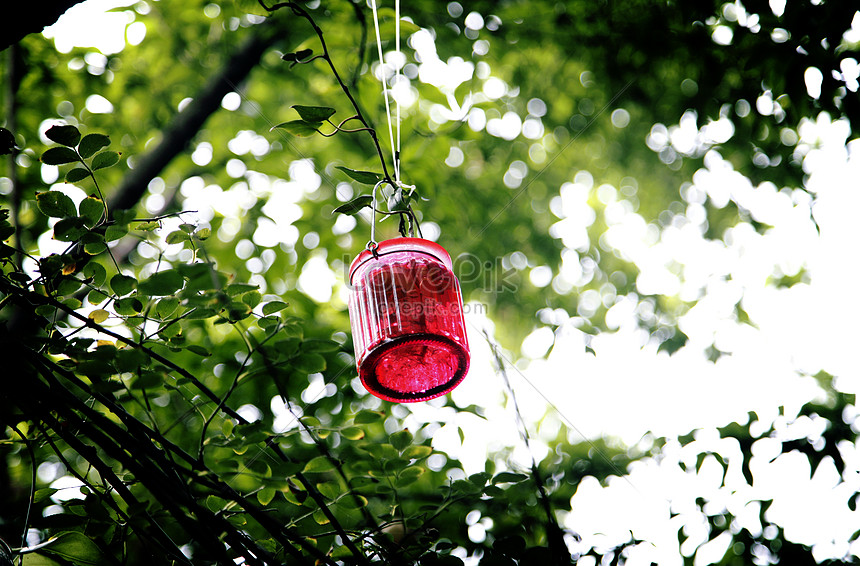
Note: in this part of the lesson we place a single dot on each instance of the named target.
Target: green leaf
(417, 452)
(318, 345)
(310, 363)
(299, 127)
(401, 439)
(329, 490)
(161, 283)
(364, 177)
(355, 205)
(353, 501)
(366, 416)
(76, 547)
(95, 296)
(166, 307)
(98, 315)
(128, 306)
(203, 233)
(76, 175)
(298, 55)
(59, 156)
(237, 289)
(69, 229)
(273, 307)
(266, 495)
(115, 232)
(252, 298)
(65, 135)
(509, 477)
(105, 159)
(318, 464)
(92, 209)
(314, 113)
(352, 433)
(199, 350)
(91, 143)
(177, 237)
(122, 284)
(55, 204)
(320, 518)
(95, 271)
(95, 248)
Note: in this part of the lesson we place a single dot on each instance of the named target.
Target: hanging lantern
(406, 313)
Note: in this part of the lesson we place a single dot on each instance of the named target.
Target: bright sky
(626, 389)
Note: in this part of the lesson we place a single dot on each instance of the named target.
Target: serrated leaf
(122, 284)
(76, 175)
(98, 315)
(364, 177)
(177, 237)
(92, 209)
(366, 416)
(148, 226)
(314, 113)
(273, 307)
(59, 156)
(355, 205)
(91, 143)
(56, 204)
(65, 135)
(105, 159)
(69, 229)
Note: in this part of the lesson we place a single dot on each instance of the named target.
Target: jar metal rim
(395, 245)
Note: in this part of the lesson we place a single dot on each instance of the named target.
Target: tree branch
(15, 27)
(185, 125)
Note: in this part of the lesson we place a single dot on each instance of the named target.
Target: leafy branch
(313, 117)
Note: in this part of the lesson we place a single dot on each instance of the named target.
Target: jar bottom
(414, 368)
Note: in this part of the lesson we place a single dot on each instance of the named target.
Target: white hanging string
(395, 150)
(397, 83)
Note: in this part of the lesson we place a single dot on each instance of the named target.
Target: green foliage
(178, 367)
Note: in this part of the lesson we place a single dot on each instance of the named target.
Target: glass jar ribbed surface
(406, 313)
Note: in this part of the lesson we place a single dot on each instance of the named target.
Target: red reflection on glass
(406, 313)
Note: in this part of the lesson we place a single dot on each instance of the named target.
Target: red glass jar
(406, 313)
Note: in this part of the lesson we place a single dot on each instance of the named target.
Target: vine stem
(299, 11)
